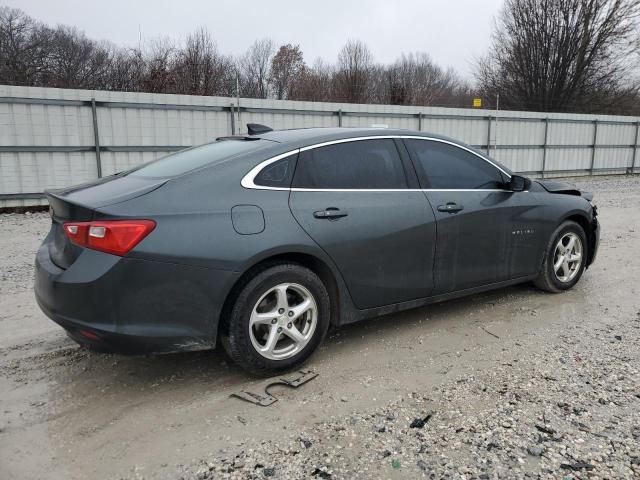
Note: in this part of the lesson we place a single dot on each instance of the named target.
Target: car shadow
(440, 314)
(90, 391)
(211, 369)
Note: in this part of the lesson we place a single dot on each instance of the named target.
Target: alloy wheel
(567, 257)
(283, 321)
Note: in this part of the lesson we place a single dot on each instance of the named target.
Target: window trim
(248, 180)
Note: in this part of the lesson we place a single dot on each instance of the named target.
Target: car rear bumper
(94, 337)
(131, 305)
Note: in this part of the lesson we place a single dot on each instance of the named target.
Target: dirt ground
(515, 383)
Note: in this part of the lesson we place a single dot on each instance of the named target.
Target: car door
(481, 225)
(352, 198)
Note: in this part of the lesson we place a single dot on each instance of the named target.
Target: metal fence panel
(26, 125)
(36, 171)
(53, 137)
(355, 120)
(616, 134)
(521, 160)
(114, 162)
(472, 130)
(568, 160)
(571, 133)
(613, 159)
(509, 132)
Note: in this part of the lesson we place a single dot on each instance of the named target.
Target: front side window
(363, 164)
(444, 166)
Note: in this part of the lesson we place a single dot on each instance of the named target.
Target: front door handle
(331, 213)
(450, 207)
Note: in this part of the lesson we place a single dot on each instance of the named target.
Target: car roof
(302, 136)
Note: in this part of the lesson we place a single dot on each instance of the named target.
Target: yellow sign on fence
(477, 103)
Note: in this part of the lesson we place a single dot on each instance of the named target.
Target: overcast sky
(453, 32)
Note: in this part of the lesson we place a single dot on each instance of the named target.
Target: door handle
(331, 213)
(450, 207)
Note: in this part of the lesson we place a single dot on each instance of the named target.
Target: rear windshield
(193, 158)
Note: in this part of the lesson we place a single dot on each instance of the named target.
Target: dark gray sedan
(264, 241)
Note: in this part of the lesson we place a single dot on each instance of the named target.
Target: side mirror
(518, 183)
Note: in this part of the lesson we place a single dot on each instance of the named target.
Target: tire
(261, 300)
(554, 281)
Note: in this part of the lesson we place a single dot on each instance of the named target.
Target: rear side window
(277, 174)
(363, 164)
(187, 160)
(441, 165)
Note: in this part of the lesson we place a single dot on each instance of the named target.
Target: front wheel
(564, 260)
(278, 319)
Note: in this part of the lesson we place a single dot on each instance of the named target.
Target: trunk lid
(78, 203)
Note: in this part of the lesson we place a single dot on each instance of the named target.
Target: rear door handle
(331, 213)
(450, 207)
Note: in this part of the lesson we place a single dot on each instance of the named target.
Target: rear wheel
(278, 319)
(564, 259)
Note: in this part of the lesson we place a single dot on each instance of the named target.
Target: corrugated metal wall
(52, 137)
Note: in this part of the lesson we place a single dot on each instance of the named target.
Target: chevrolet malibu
(262, 242)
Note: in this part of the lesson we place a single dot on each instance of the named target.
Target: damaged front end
(564, 188)
(593, 236)
(592, 229)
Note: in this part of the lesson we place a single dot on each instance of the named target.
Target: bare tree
(159, 59)
(286, 68)
(126, 72)
(200, 69)
(255, 68)
(354, 72)
(314, 84)
(74, 61)
(23, 48)
(560, 54)
(414, 79)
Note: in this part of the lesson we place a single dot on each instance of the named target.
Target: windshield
(193, 158)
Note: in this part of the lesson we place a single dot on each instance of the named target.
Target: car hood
(564, 188)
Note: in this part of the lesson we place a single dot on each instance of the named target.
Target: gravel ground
(20, 236)
(569, 410)
(510, 384)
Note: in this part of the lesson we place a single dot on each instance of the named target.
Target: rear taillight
(117, 237)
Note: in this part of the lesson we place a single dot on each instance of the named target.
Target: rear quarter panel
(195, 229)
(194, 219)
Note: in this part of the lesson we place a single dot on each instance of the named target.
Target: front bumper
(131, 305)
(594, 240)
